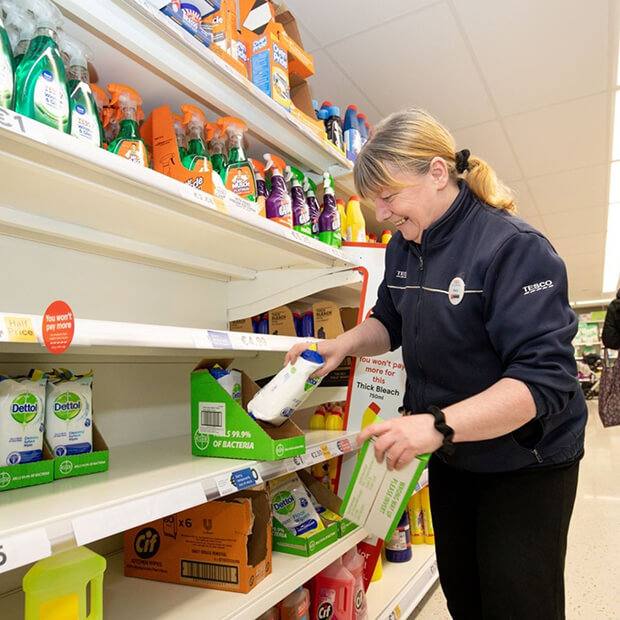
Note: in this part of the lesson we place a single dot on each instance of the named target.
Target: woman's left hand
(400, 440)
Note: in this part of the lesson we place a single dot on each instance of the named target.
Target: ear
(438, 170)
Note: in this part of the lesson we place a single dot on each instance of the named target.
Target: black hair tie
(462, 160)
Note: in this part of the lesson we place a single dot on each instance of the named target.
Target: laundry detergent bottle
(329, 221)
(7, 69)
(41, 90)
(278, 204)
(180, 134)
(85, 123)
(197, 158)
(314, 207)
(239, 177)
(299, 206)
(128, 143)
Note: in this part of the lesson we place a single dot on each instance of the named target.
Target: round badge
(456, 291)
(58, 327)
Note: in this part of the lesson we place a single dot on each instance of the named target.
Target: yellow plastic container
(57, 587)
(429, 532)
(356, 224)
(378, 572)
(416, 519)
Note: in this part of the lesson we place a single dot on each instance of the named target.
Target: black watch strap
(447, 431)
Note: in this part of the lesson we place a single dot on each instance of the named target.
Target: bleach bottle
(334, 127)
(85, 123)
(314, 207)
(278, 204)
(352, 136)
(356, 224)
(329, 222)
(301, 213)
(41, 90)
(334, 589)
(363, 127)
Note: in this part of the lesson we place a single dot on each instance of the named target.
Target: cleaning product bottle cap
(274, 163)
(312, 356)
(362, 116)
(101, 97)
(45, 13)
(78, 53)
(212, 131)
(340, 202)
(230, 123)
(334, 111)
(322, 114)
(123, 95)
(354, 199)
(352, 107)
(326, 104)
(259, 166)
(18, 20)
(193, 115)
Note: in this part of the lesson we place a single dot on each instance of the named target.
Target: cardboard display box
(82, 464)
(376, 497)
(28, 474)
(223, 544)
(220, 427)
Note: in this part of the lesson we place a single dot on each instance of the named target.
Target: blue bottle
(398, 548)
(363, 127)
(322, 116)
(352, 135)
(307, 325)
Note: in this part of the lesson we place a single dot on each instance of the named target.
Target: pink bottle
(334, 588)
(354, 563)
(296, 606)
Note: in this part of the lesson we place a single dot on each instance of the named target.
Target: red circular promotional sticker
(58, 326)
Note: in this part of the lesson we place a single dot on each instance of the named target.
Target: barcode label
(212, 419)
(205, 572)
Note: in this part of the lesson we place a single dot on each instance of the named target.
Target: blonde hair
(407, 141)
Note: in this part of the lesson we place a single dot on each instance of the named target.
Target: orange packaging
(223, 545)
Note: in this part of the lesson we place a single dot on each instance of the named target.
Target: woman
(478, 301)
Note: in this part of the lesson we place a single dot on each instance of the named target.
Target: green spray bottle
(41, 90)
(239, 177)
(128, 143)
(85, 123)
(22, 28)
(217, 142)
(197, 158)
(7, 69)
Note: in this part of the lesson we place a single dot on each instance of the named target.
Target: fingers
(295, 351)
(373, 430)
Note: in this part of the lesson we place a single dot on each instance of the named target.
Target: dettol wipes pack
(69, 413)
(22, 415)
(292, 506)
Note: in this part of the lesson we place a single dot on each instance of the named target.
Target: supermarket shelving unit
(154, 271)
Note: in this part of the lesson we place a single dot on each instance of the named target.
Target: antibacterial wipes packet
(292, 506)
(230, 380)
(22, 417)
(69, 413)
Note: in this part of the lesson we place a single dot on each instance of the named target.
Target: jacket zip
(419, 388)
(537, 455)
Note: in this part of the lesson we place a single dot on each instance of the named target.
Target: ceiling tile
(330, 83)
(423, 61)
(535, 221)
(570, 190)
(330, 21)
(310, 42)
(581, 244)
(576, 132)
(575, 223)
(535, 53)
(526, 207)
(489, 142)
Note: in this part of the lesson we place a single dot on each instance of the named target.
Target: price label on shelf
(147, 6)
(238, 480)
(326, 451)
(22, 549)
(219, 340)
(296, 462)
(202, 198)
(21, 125)
(108, 521)
(340, 446)
(18, 329)
(252, 342)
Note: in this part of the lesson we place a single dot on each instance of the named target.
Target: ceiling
(528, 85)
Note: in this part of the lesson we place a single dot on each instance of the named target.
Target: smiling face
(419, 202)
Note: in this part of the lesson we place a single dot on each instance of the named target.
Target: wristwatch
(447, 431)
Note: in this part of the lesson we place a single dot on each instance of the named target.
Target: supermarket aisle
(593, 562)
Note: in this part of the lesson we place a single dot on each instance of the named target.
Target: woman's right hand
(332, 351)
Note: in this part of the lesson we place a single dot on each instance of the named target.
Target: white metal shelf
(127, 598)
(145, 481)
(137, 28)
(403, 585)
(91, 200)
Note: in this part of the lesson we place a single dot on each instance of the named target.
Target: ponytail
(408, 141)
